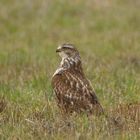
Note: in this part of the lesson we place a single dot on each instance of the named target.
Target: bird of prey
(73, 90)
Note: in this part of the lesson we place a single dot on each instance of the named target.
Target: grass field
(107, 34)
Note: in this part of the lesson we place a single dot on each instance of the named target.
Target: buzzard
(73, 91)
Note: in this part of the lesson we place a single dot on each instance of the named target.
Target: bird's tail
(98, 109)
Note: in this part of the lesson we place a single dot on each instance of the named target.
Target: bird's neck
(71, 63)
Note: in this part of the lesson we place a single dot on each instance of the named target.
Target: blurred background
(106, 32)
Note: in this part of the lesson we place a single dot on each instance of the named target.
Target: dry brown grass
(127, 116)
(3, 104)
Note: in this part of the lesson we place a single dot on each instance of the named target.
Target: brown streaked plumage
(73, 91)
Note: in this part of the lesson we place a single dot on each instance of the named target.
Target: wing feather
(74, 88)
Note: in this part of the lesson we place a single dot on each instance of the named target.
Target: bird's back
(74, 92)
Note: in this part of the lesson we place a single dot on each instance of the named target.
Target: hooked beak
(58, 50)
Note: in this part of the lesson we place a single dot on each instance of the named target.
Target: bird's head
(67, 51)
